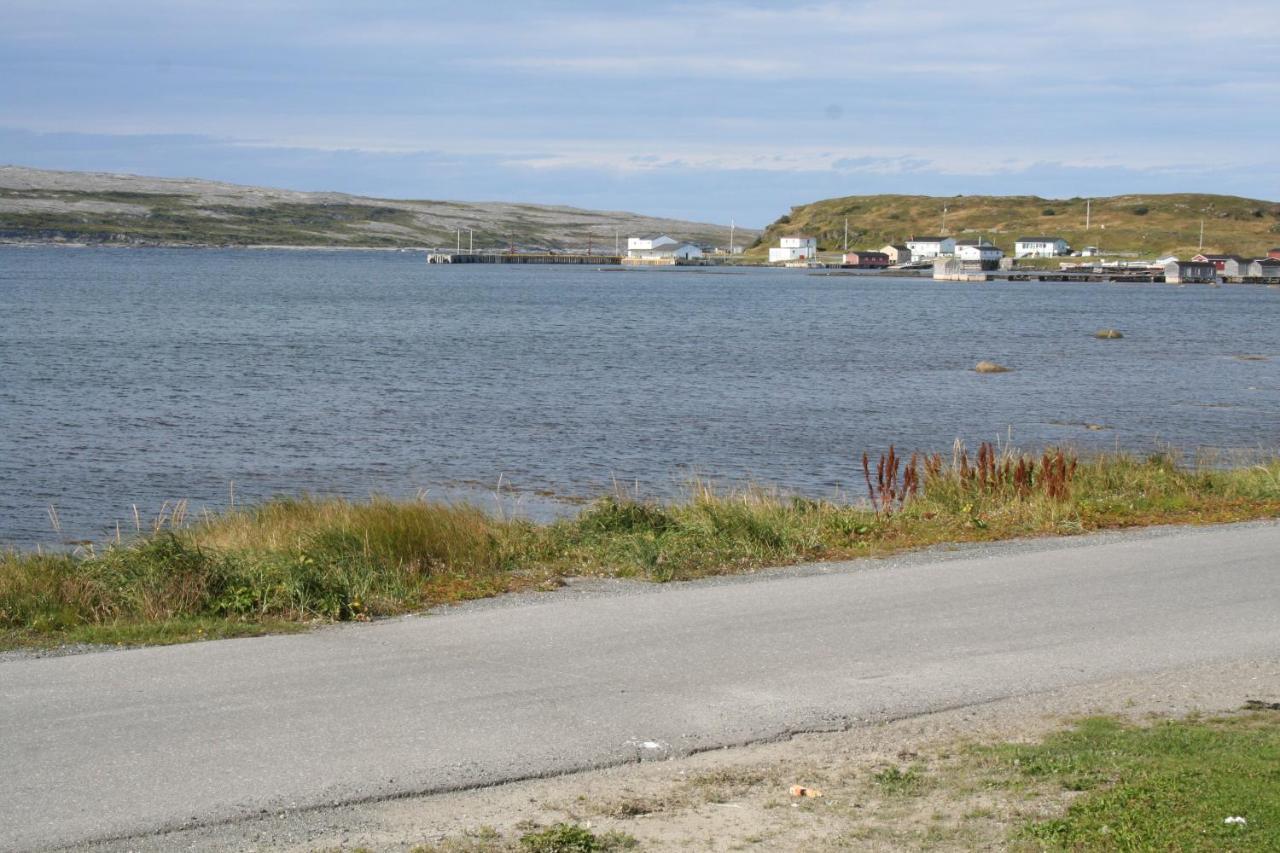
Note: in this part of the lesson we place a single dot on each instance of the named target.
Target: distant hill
(1145, 224)
(46, 206)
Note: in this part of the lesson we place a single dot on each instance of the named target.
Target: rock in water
(1108, 334)
(990, 367)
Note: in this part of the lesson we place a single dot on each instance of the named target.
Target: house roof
(1040, 239)
(928, 239)
(983, 243)
(1268, 262)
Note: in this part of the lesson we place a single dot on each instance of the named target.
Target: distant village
(945, 258)
(948, 257)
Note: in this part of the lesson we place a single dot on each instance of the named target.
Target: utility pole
(732, 226)
(846, 234)
(458, 250)
(944, 220)
(617, 244)
(471, 241)
(1202, 235)
(1088, 209)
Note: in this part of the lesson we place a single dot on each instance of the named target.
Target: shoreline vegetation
(292, 563)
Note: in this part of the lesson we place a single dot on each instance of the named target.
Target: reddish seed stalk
(994, 474)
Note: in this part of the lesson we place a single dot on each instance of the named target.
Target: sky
(712, 111)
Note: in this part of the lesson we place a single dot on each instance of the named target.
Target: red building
(867, 260)
(1274, 254)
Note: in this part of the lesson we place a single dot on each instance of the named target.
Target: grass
(1170, 786)
(290, 563)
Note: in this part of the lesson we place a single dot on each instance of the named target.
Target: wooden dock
(521, 258)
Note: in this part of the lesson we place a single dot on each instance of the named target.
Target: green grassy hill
(1147, 225)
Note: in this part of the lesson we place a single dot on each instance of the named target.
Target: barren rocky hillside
(46, 206)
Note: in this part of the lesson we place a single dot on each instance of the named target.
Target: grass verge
(288, 563)
(1178, 785)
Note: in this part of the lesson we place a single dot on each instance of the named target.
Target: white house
(642, 244)
(794, 249)
(928, 248)
(1040, 247)
(978, 253)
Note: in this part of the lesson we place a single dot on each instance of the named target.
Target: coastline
(294, 563)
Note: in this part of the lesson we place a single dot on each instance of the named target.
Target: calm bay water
(140, 376)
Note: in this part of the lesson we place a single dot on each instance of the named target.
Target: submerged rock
(990, 367)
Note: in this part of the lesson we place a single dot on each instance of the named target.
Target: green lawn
(1170, 786)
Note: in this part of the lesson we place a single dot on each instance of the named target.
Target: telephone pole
(846, 234)
(1088, 209)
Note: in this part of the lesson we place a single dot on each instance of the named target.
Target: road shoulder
(740, 798)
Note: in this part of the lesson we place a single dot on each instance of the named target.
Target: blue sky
(701, 110)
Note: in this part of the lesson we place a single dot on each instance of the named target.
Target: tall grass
(307, 560)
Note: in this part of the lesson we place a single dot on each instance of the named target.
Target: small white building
(794, 249)
(667, 251)
(644, 244)
(1040, 247)
(1090, 252)
(1232, 266)
(978, 254)
(898, 254)
(928, 248)
(1267, 269)
(1190, 272)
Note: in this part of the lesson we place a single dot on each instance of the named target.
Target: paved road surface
(119, 743)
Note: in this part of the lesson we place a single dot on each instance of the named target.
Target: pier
(1156, 276)
(950, 269)
(521, 258)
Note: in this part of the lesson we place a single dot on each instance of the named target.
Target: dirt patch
(902, 785)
